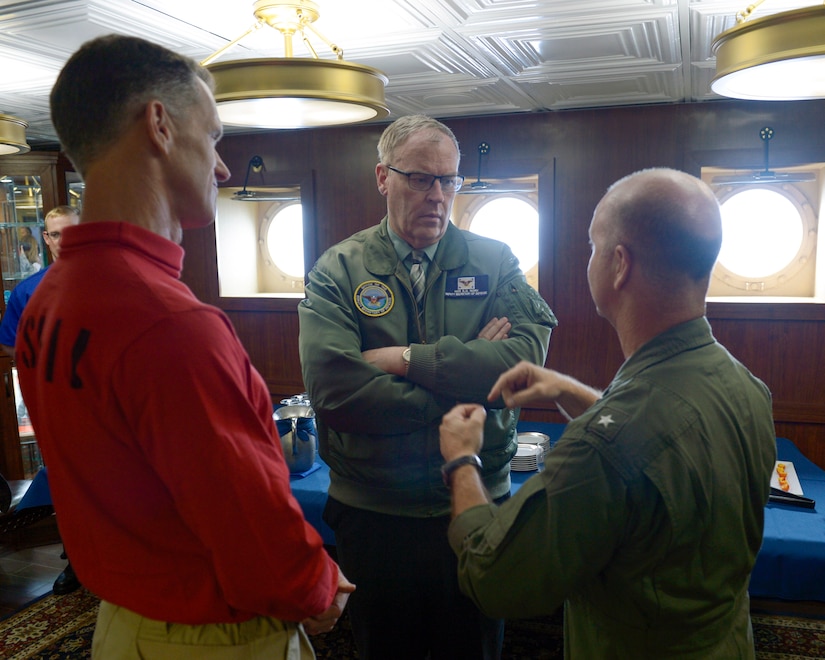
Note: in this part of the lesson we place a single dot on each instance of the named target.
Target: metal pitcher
(299, 437)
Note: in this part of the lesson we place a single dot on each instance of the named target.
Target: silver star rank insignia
(605, 420)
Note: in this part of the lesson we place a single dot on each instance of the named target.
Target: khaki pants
(123, 635)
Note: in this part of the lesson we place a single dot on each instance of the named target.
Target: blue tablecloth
(38, 493)
(311, 493)
(790, 566)
(791, 563)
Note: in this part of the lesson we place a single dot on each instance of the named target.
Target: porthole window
(285, 240)
(259, 236)
(513, 221)
(763, 232)
(511, 218)
(769, 242)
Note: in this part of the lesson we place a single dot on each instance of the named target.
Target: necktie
(417, 277)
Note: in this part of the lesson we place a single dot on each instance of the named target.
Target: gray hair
(401, 129)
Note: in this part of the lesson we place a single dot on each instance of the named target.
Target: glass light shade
(775, 58)
(297, 92)
(13, 135)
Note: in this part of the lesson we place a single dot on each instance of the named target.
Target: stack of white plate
(532, 438)
(528, 458)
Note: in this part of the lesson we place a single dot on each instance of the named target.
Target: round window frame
(270, 215)
(803, 254)
(470, 211)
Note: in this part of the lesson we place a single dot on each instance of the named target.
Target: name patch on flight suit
(373, 298)
(467, 286)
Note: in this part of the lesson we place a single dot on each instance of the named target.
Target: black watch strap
(451, 466)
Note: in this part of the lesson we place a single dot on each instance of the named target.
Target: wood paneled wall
(577, 155)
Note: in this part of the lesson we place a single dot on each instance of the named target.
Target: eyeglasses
(421, 182)
(54, 235)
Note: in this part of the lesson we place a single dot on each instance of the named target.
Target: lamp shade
(297, 92)
(13, 135)
(780, 57)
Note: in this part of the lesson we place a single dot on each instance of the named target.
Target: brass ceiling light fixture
(294, 92)
(13, 135)
(780, 57)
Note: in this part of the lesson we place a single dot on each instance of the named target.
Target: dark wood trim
(798, 412)
(267, 304)
(766, 311)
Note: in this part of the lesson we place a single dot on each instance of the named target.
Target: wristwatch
(406, 357)
(451, 466)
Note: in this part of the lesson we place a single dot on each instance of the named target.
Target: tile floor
(27, 573)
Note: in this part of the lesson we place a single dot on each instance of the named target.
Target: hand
(326, 620)
(496, 329)
(462, 431)
(527, 384)
(388, 359)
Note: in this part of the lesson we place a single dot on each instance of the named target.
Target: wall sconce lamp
(271, 194)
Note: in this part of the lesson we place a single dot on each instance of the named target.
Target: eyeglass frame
(53, 235)
(459, 177)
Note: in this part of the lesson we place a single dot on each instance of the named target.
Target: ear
(158, 125)
(381, 173)
(622, 266)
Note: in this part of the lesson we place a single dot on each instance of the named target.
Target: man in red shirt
(169, 482)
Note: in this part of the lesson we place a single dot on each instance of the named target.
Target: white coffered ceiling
(445, 58)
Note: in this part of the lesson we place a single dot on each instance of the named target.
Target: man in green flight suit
(648, 516)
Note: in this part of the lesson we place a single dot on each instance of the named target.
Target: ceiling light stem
(288, 50)
(309, 46)
(744, 14)
(339, 52)
(225, 48)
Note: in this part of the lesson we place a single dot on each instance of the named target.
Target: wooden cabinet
(28, 190)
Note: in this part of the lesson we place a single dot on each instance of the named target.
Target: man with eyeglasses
(401, 321)
(55, 221)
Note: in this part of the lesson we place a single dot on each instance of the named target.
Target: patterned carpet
(52, 627)
(61, 628)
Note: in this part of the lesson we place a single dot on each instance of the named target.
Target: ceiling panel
(445, 58)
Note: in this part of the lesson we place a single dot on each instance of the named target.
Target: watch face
(406, 355)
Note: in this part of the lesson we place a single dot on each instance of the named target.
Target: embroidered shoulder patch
(607, 423)
(373, 298)
(467, 286)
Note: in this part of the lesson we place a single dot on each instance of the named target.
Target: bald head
(669, 220)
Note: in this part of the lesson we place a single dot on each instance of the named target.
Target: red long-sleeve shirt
(166, 472)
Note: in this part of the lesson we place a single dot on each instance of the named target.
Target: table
(311, 493)
(790, 565)
(791, 562)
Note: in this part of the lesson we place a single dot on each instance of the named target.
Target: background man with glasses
(55, 221)
(401, 321)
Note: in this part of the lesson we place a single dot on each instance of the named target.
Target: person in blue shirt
(56, 221)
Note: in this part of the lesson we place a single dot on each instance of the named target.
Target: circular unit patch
(373, 298)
